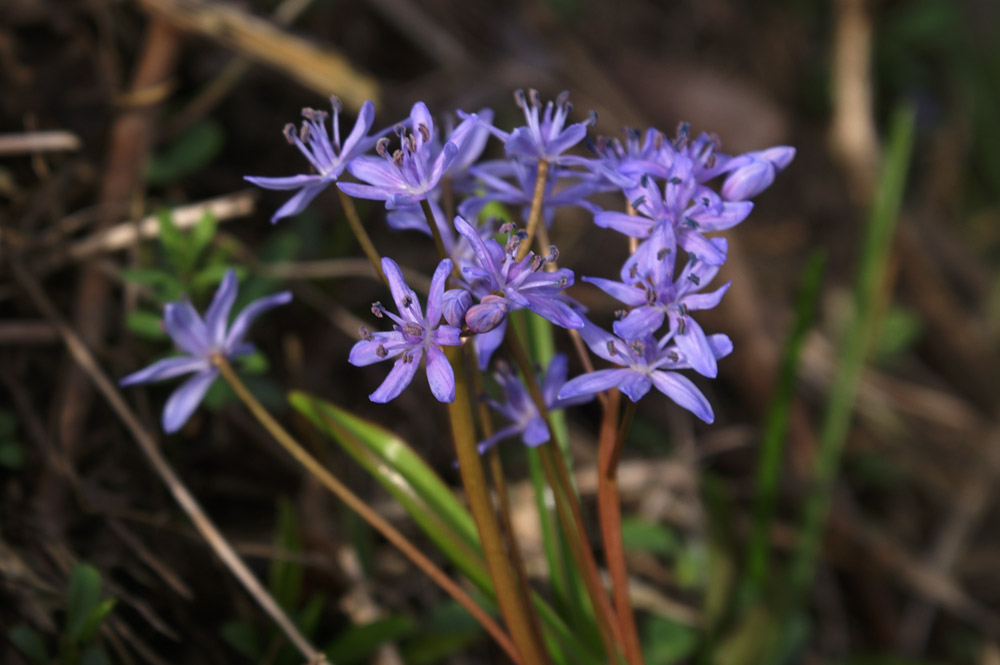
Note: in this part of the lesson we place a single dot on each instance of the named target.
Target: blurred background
(112, 110)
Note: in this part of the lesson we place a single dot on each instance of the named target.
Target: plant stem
(536, 209)
(367, 246)
(568, 507)
(518, 614)
(610, 512)
(356, 504)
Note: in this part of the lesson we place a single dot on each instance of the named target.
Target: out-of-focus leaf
(174, 242)
(643, 536)
(244, 637)
(210, 276)
(899, 331)
(29, 642)
(147, 325)
(355, 645)
(448, 629)
(191, 152)
(11, 454)
(94, 655)
(95, 618)
(666, 642)
(203, 232)
(84, 595)
(254, 363)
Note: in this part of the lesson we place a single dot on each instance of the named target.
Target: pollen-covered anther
(682, 326)
(639, 201)
(691, 223)
(591, 118)
(397, 159)
(336, 104)
(663, 253)
(519, 99)
(381, 351)
(508, 227)
(675, 180)
(425, 132)
(536, 263)
(365, 334)
(534, 97)
(407, 300)
(377, 309)
(382, 147)
(612, 349)
(553, 254)
(694, 279)
(673, 356)
(638, 347)
(413, 329)
(289, 132)
(621, 314)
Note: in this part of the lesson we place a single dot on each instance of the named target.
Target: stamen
(425, 133)
(694, 279)
(519, 99)
(675, 181)
(591, 118)
(413, 329)
(397, 159)
(672, 356)
(536, 263)
(378, 310)
(304, 132)
(289, 132)
(508, 227)
(382, 147)
(638, 347)
(536, 101)
(563, 98)
(663, 253)
(612, 351)
(691, 223)
(336, 104)
(639, 201)
(682, 326)
(381, 351)
(621, 314)
(365, 334)
(553, 254)
(407, 300)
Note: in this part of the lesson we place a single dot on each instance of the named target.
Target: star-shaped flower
(327, 157)
(414, 336)
(201, 340)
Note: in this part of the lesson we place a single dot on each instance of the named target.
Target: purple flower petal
(697, 352)
(435, 297)
(635, 386)
(639, 322)
(440, 375)
(699, 301)
(250, 313)
(399, 377)
(167, 368)
(748, 181)
(680, 389)
(487, 315)
(486, 343)
(536, 433)
(287, 182)
(186, 328)
(381, 346)
(299, 202)
(217, 315)
(454, 304)
(593, 382)
(185, 399)
(405, 298)
(366, 116)
(634, 226)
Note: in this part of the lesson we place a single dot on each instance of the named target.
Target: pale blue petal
(639, 322)
(246, 318)
(536, 433)
(165, 369)
(299, 202)
(435, 297)
(186, 328)
(635, 386)
(399, 377)
(680, 389)
(366, 352)
(631, 295)
(217, 315)
(593, 382)
(697, 352)
(287, 182)
(634, 226)
(440, 375)
(185, 399)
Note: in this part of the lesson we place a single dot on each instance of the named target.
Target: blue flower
(546, 136)
(201, 340)
(411, 172)
(649, 287)
(644, 363)
(415, 335)
(518, 407)
(328, 158)
(752, 173)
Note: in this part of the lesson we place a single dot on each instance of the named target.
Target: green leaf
(254, 363)
(244, 637)
(175, 243)
(285, 580)
(29, 642)
(447, 630)
(398, 455)
(148, 325)
(11, 454)
(333, 422)
(84, 595)
(667, 642)
(355, 645)
(899, 331)
(162, 281)
(190, 153)
(95, 618)
(643, 536)
(210, 276)
(203, 233)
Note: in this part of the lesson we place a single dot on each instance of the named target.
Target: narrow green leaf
(29, 642)
(175, 243)
(203, 233)
(667, 642)
(643, 536)
(95, 618)
(84, 595)
(356, 645)
(190, 153)
(851, 359)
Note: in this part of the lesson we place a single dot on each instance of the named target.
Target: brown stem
(609, 510)
(516, 611)
(536, 209)
(568, 507)
(380, 524)
(367, 246)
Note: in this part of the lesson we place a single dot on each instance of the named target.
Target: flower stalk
(535, 216)
(367, 246)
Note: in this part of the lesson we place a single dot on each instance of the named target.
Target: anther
(705, 202)
(682, 326)
(519, 99)
(336, 104)
(563, 98)
(612, 351)
(536, 263)
(378, 309)
(672, 356)
(639, 201)
(591, 118)
(425, 133)
(663, 253)
(553, 254)
(534, 98)
(304, 132)
(365, 334)
(397, 159)
(675, 181)
(413, 329)
(508, 227)
(289, 132)
(382, 147)
(621, 314)
(381, 351)
(407, 300)
(694, 279)
(691, 223)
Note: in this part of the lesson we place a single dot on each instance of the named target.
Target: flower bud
(487, 315)
(454, 305)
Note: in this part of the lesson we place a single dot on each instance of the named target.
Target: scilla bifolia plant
(676, 193)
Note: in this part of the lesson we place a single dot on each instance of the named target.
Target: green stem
(518, 614)
(380, 524)
(367, 246)
(568, 507)
(610, 512)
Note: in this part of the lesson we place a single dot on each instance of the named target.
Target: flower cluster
(676, 193)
